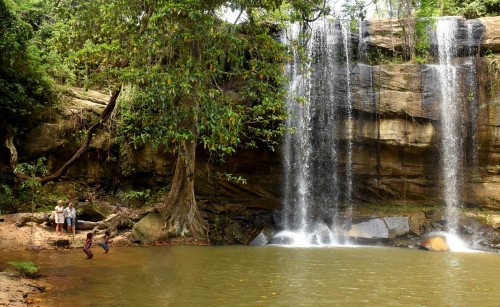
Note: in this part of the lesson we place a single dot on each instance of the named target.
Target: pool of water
(267, 276)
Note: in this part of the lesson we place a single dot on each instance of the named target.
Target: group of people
(88, 244)
(68, 214)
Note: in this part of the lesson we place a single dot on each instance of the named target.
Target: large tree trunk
(9, 143)
(182, 215)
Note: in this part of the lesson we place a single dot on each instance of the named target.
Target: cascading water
(296, 146)
(317, 183)
(322, 132)
(451, 121)
(346, 36)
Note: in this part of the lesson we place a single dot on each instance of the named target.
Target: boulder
(383, 228)
(374, 228)
(234, 233)
(91, 212)
(435, 244)
(263, 238)
(416, 221)
(397, 226)
(491, 37)
(149, 229)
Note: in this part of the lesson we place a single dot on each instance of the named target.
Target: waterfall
(451, 121)
(317, 148)
(331, 98)
(296, 148)
(346, 36)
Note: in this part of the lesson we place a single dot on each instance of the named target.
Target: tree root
(113, 223)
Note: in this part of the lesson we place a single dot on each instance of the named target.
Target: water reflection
(269, 276)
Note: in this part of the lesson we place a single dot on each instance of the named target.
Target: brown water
(267, 276)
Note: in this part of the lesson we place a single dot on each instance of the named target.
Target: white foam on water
(457, 245)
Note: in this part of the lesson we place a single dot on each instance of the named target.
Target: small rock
(435, 244)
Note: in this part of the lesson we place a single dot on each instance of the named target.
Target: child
(88, 245)
(106, 241)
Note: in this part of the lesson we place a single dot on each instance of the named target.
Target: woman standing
(59, 217)
(70, 215)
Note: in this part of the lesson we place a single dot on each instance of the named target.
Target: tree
(471, 8)
(31, 184)
(184, 64)
(24, 86)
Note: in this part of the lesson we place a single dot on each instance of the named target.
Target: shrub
(25, 268)
(7, 199)
(134, 198)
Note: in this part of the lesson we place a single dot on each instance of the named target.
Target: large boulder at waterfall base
(435, 244)
(383, 228)
(149, 229)
(263, 237)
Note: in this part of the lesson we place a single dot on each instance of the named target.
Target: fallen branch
(85, 146)
(38, 218)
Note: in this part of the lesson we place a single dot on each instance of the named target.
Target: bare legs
(59, 229)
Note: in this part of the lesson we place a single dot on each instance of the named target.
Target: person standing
(88, 245)
(105, 242)
(59, 217)
(70, 215)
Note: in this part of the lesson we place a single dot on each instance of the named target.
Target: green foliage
(31, 186)
(425, 15)
(7, 199)
(32, 171)
(134, 198)
(24, 85)
(14, 200)
(472, 8)
(25, 268)
(230, 177)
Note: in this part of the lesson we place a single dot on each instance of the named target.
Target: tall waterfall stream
(319, 171)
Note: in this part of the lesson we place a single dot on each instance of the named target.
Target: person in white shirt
(70, 215)
(59, 217)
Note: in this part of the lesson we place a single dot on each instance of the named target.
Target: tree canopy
(25, 86)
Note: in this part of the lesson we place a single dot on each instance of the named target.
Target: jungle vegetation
(180, 63)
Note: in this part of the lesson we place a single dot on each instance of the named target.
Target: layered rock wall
(395, 136)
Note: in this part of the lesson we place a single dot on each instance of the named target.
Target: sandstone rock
(383, 228)
(416, 221)
(491, 38)
(43, 139)
(374, 228)
(234, 233)
(90, 95)
(149, 229)
(435, 244)
(91, 212)
(397, 225)
(385, 33)
(395, 137)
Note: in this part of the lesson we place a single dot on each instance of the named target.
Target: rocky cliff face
(395, 137)
(408, 128)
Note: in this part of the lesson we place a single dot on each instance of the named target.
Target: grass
(25, 268)
(395, 208)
